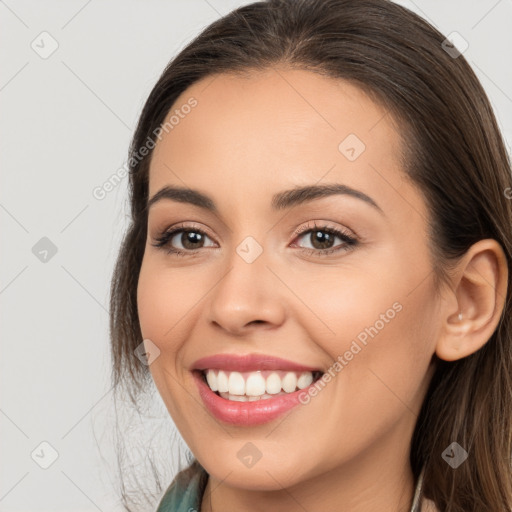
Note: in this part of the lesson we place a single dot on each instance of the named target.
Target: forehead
(276, 129)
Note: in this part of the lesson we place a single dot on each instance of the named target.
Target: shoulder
(186, 490)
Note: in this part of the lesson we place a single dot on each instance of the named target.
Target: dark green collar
(186, 491)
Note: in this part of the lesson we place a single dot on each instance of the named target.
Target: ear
(475, 302)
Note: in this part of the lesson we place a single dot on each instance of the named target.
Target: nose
(247, 296)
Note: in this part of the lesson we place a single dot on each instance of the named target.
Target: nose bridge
(248, 290)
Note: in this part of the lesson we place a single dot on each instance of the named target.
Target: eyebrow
(280, 201)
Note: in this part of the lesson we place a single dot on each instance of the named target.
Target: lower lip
(246, 413)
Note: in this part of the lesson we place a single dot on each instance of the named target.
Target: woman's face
(249, 283)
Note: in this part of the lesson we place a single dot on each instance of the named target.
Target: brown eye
(322, 239)
(182, 241)
(189, 239)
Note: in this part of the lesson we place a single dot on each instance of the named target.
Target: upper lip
(249, 362)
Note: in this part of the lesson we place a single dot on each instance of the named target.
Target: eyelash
(162, 241)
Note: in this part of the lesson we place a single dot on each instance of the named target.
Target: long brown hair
(453, 152)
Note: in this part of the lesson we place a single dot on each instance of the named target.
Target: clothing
(185, 493)
(186, 490)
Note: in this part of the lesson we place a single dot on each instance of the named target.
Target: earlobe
(476, 303)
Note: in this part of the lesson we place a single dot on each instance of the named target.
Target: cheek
(380, 351)
(160, 309)
(150, 291)
(163, 302)
(346, 304)
(379, 328)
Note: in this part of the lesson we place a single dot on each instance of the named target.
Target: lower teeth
(245, 398)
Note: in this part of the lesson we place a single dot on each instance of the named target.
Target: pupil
(191, 238)
(322, 238)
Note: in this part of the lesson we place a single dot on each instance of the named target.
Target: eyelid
(325, 225)
(184, 226)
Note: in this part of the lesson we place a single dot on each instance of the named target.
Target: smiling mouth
(257, 385)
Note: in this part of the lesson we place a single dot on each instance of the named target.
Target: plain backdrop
(74, 76)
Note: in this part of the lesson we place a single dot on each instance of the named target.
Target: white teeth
(212, 380)
(236, 384)
(222, 382)
(250, 386)
(238, 398)
(304, 380)
(255, 385)
(273, 384)
(289, 382)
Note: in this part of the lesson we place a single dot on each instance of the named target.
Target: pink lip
(246, 413)
(248, 363)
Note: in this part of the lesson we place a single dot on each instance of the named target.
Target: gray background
(65, 124)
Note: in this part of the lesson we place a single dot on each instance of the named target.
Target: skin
(247, 139)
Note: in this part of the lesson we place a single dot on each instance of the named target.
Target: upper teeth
(257, 383)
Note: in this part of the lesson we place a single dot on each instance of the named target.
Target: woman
(317, 265)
